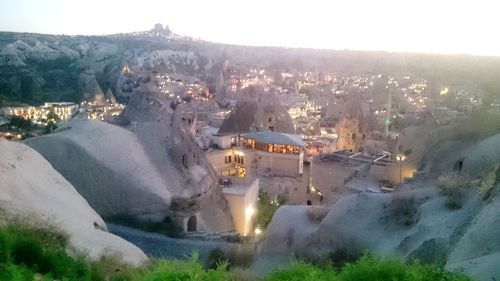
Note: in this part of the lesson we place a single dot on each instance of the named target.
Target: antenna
(387, 121)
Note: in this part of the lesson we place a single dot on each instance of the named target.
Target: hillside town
(168, 146)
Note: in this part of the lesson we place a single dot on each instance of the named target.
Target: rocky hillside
(31, 189)
(38, 67)
(416, 222)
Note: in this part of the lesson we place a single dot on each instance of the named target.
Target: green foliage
(28, 251)
(52, 116)
(20, 123)
(32, 253)
(366, 268)
(234, 257)
(51, 126)
(266, 208)
(191, 270)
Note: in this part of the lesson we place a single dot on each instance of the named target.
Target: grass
(39, 253)
(366, 268)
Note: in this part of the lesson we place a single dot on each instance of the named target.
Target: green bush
(266, 208)
(28, 251)
(234, 256)
(454, 186)
(366, 268)
(404, 209)
(33, 253)
(191, 270)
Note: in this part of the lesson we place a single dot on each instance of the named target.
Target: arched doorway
(191, 224)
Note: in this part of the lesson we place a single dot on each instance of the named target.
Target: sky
(426, 26)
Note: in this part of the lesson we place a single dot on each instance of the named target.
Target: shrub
(234, 256)
(488, 181)
(454, 186)
(29, 250)
(31, 253)
(366, 268)
(191, 270)
(404, 209)
(316, 213)
(184, 205)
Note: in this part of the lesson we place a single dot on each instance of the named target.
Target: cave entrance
(458, 165)
(191, 224)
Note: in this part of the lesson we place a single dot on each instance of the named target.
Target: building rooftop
(269, 137)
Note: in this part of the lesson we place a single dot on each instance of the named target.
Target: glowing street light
(400, 158)
(258, 231)
(249, 211)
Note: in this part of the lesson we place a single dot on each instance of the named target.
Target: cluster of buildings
(309, 137)
(254, 162)
(101, 107)
(41, 115)
(179, 90)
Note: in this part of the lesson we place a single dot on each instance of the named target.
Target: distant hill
(36, 67)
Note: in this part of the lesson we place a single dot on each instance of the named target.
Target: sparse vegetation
(489, 181)
(33, 253)
(404, 209)
(454, 186)
(184, 205)
(317, 213)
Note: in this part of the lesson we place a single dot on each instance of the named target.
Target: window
(239, 159)
(227, 159)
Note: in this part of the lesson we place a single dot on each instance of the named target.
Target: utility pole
(387, 121)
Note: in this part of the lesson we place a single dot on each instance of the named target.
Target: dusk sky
(435, 26)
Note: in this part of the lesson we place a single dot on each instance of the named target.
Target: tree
(266, 208)
(52, 116)
(20, 123)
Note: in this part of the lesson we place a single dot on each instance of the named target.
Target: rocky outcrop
(466, 238)
(138, 171)
(263, 114)
(478, 250)
(30, 188)
(181, 162)
(108, 166)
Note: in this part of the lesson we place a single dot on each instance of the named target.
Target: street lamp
(400, 158)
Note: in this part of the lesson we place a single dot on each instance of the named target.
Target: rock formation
(263, 114)
(141, 170)
(30, 188)
(410, 224)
